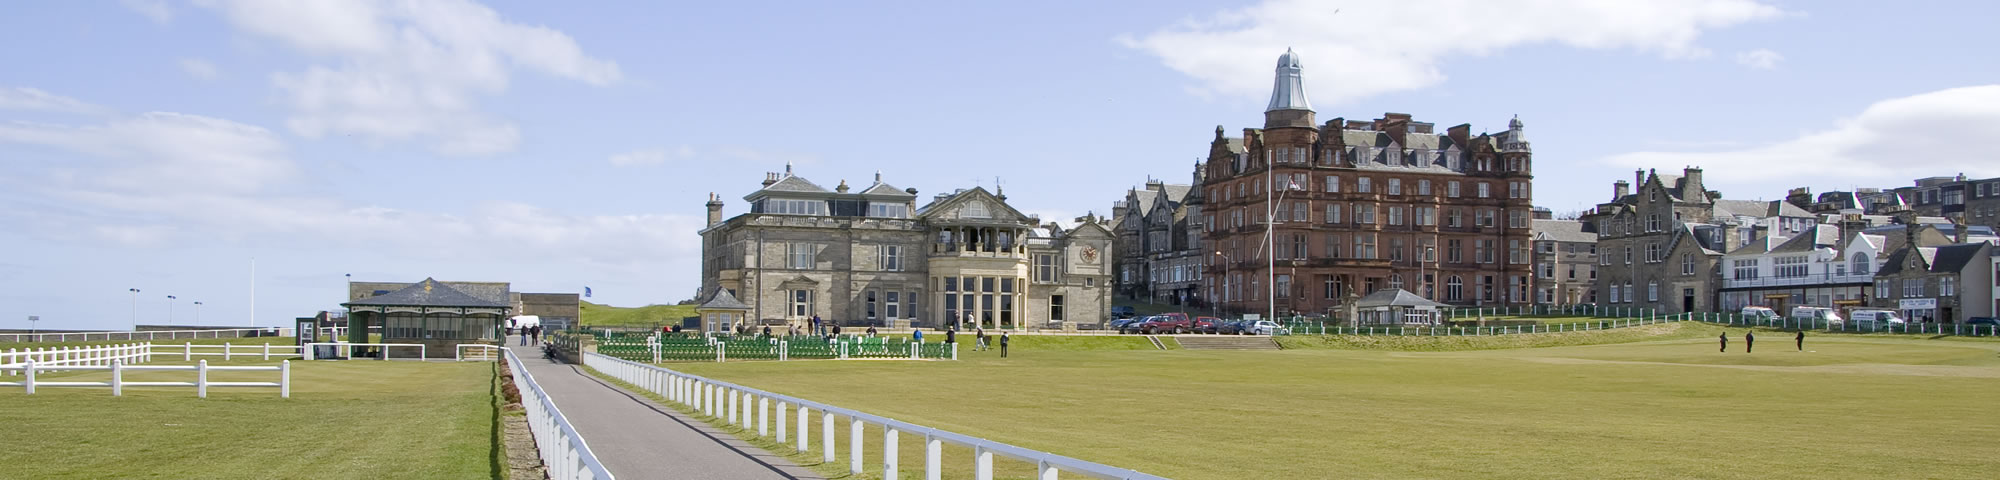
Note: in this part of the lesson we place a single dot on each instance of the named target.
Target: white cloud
(1761, 59)
(1379, 47)
(31, 99)
(653, 156)
(199, 69)
(161, 152)
(1888, 143)
(153, 9)
(408, 70)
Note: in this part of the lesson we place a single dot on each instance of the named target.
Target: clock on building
(1089, 254)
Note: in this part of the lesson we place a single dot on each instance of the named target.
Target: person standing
(979, 339)
(817, 330)
(767, 331)
(917, 334)
(1802, 340)
(951, 335)
(524, 336)
(1003, 344)
(1749, 341)
(1724, 337)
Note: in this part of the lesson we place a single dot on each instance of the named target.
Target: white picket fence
(29, 370)
(563, 450)
(745, 407)
(480, 353)
(49, 359)
(145, 335)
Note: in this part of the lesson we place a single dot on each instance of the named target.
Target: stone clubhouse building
(874, 257)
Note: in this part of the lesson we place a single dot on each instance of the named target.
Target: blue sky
(164, 145)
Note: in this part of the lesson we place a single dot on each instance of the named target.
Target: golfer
(1802, 340)
(1749, 341)
(1724, 337)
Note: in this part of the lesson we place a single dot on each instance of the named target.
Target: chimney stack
(1639, 176)
(1619, 189)
(1691, 185)
(714, 209)
(770, 178)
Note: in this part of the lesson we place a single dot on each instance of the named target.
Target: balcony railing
(1820, 279)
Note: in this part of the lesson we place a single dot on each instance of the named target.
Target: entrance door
(1687, 300)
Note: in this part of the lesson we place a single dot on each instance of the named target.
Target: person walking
(917, 334)
(1802, 340)
(1003, 344)
(951, 335)
(1749, 341)
(536, 331)
(817, 330)
(979, 339)
(1724, 337)
(524, 336)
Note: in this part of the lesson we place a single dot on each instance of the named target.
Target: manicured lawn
(346, 419)
(1665, 405)
(595, 315)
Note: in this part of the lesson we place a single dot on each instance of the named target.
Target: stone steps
(1226, 342)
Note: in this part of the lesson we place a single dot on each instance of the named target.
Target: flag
(586, 292)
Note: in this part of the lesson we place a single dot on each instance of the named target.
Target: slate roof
(1235, 145)
(1743, 208)
(1395, 297)
(1561, 231)
(1177, 193)
(884, 190)
(427, 293)
(722, 300)
(1944, 259)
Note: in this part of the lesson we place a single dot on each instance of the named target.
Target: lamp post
(197, 313)
(32, 321)
(1225, 276)
(135, 308)
(1271, 206)
(170, 309)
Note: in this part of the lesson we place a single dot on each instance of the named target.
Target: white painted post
(117, 378)
(826, 435)
(187, 351)
(225, 351)
(267, 352)
(982, 463)
(749, 411)
(802, 433)
(1046, 471)
(763, 416)
(29, 381)
(854, 446)
(782, 410)
(10, 357)
(888, 453)
(284, 379)
(730, 395)
(201, 380)
(933, 458)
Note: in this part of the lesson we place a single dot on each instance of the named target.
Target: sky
(250, 155)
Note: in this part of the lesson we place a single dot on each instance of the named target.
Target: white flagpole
(253, 292)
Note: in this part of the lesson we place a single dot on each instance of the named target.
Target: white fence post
(284, 378)
(201, 380)
(117, 378)
(888, 453)
(854, 446)
(225, 351)
(933, 458)
(826, 435)
(763, 416)
(982, 463)
(29, 381)
(187, 351)
(782, 410)
(1045, 471)
(803, 433)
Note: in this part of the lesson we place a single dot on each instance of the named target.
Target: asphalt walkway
(637, 438)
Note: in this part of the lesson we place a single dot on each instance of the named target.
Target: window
(1301, 212)
(890, 257)
(1395, 215)
(909, 304)
(1284, 286)
(1046, 268)
(1456, 218)
(889, 210)
(1881, 289)
(1744, 269)
(1333, 246)
(1454, 289)
(1364, 213)
(870, 299)
(1517, 219)
(1364, 245)
(1861, 265)
(1572, 272)
(1452, 251)
(1423, 187)
(1628, 255)
(1299, 246)
(1652, 291)
(1793, 266)
(1652, 253)
(794, 207)
(1056, 307)
(1362, 186)
(800, 255)
(1332, 184)
(1396, 249)
(1947, 286)
(1653, 223)
(1614, 294)
(1516, 190)
(1395, 186)
(1427, 216)
(802, 303)
(1913, 287)
(1687, 264)
(1451, 189)
(1548, 270)
(1483, 190)
(1483, 250)
(1333, 213)
(1517, 253)
(1427, 250)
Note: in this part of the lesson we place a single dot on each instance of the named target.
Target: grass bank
(1429, 343)
(596, 315)
(344, 420)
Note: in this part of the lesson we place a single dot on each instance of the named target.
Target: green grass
(346, 419)
(595, 315)
(1647, 402)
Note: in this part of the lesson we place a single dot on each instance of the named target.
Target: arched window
(1861, 264)
(1454, 288)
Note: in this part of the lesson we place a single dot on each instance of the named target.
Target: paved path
(637, 438)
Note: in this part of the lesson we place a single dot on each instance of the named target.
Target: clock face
(1090, 254)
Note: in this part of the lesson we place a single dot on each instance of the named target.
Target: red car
(1206, 324)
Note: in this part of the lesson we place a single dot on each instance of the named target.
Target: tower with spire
(1289, 107)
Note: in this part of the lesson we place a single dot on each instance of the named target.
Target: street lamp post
(170, 309)
(135, 308)
(197, 313)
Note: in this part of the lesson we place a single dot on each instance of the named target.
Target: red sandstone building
(1362, 206)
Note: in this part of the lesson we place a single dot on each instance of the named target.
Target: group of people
(529, 333)
(1750, 341)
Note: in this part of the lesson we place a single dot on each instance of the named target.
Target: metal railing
(1808, 280)
(745, 407)
(347, 349)
(563, 451)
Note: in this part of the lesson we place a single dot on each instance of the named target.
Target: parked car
(1756, 312)
(1141, 325)
(1817, 314)
(1167, 324)
(1119, 324)
(1231, 327)
(1123, 311)
(1207, 325)
(1267, 327)
(1988, 321)
(1876, 318)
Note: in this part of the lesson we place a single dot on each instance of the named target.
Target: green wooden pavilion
(430, 313)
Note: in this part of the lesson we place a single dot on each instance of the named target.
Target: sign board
(1252, 316)
(1917, 304)
(308, 331)
(34, 318)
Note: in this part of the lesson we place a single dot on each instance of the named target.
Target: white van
(1816, 314)
(1876, 318)
(1756, 312)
